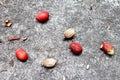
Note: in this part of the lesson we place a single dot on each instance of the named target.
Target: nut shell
(69, 33)
(49, 62)
(8, 23)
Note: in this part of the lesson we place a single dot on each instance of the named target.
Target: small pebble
(88, 66)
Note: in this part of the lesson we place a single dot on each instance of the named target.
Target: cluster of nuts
(75, 47)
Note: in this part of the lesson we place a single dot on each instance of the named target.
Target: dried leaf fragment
(11, 62)
(8, 23)
(14, 38)
(25, 38)
(1, 3)
(3, 71)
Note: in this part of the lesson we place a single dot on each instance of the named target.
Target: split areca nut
(107, 48)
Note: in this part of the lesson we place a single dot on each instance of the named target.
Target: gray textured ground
(46, 40)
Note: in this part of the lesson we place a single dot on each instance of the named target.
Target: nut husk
(69, 33)
(49, 62)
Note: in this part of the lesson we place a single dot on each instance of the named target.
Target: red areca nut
(21, 54)
(42, 16)
(76, 48)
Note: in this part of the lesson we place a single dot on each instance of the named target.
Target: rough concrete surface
(46, 40)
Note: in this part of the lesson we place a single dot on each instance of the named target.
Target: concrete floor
(46, 40)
